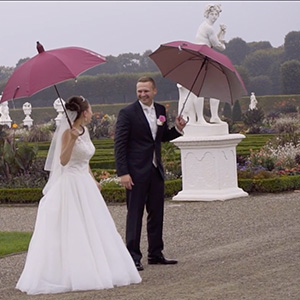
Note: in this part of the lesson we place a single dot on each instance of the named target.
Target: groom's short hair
(147, 79)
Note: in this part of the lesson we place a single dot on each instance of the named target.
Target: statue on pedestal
(27, 108)
(60, 110)
(208, 151)
(4, 112)
(253, 102)
(205, 36)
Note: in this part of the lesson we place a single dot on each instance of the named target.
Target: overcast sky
(116, 27)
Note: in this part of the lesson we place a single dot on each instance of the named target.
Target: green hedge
(270, 185)
(24, 195)
(172, 187)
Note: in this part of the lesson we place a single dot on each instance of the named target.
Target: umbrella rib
(171, 70)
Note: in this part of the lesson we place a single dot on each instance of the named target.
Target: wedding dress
(75, 245)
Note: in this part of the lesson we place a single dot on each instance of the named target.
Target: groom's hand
(126, 181)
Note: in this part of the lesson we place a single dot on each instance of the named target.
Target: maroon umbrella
(200, 69)
(48, 68)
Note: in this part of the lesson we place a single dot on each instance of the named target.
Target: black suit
(134, 147)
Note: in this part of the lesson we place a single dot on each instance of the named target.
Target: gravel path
(245, 248)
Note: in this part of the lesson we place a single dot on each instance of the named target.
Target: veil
(52, 163)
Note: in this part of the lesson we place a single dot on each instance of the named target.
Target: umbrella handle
(83, 130)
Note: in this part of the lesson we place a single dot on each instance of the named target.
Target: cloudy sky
(116, 27)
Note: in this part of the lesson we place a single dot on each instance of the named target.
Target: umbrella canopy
(48, 68)
(200, 69)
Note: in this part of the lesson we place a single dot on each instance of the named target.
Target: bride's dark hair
(78, 104)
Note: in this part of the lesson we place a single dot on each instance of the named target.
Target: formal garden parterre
(268, 159)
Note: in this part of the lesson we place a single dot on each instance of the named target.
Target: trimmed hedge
(172, 187)
(270, 185)
(24, 195)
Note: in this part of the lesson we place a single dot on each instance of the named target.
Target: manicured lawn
(14, 242)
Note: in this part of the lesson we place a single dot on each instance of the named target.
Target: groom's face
(145, 92)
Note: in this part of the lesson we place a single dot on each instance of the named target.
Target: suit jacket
(134, 144)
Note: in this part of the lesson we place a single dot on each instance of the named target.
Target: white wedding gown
(75, 245)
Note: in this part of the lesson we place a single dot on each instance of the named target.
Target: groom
(140, 129)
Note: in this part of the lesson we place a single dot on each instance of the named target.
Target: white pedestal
(28, 121)
(6, 122)
(208, 163)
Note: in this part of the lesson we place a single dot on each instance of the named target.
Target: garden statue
(253, 102)
(27, 111)
(59, 108)
(4, 112)
(205, 36)
(208, 151)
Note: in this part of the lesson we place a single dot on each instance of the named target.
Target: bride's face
(88, 115)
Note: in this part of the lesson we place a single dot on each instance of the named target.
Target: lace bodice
(82, 152)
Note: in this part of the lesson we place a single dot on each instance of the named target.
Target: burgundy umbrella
(47, 69)
(200, 69)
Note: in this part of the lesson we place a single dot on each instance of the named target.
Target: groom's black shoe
(161, 260)
(139, 265)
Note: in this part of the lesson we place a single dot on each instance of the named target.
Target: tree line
(264, 69)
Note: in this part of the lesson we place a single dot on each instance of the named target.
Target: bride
(75, 245)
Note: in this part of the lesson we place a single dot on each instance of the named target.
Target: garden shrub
(110, 164)
(20, 195)
(253, 119)
(286, 124)
(172, 187)
(40, 133)
(114, 194)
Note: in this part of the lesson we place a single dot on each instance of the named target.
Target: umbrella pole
(14, 96)
(182, 108)
(63, 106)
(203, 63)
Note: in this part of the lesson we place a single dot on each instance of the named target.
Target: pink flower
(161, 120)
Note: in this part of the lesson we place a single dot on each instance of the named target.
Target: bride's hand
(74, 133)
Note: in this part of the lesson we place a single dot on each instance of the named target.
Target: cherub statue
(207, 36)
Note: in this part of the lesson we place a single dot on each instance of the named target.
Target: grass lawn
(14, 242)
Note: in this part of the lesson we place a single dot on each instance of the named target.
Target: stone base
(200, 130)
(210, 195)
(209, 170)
(6, 122)
(28, 121)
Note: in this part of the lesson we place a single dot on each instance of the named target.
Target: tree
(254, 46)
(21, 61)
(292, 45)
(236, 50)
(253, 119)
(258, 62)
(227, 111)
(261, 85)
(5, 72)
(289, 77)
(147, 64)
(243, 72)
(236, 112)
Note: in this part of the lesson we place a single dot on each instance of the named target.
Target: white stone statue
(59, 108)
(4, 112)
(206, 36)
(253, 102)
(27, 109)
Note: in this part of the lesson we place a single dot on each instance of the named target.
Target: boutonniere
(161, 120)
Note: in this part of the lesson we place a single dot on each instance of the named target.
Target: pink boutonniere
(161, 120)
